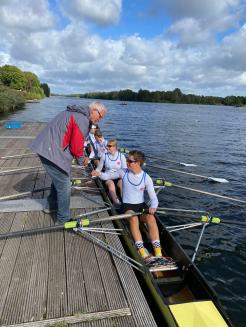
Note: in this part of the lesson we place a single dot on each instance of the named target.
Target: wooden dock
(58, 278)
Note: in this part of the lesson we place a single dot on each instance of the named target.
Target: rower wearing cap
(112, 161)
(134, 182)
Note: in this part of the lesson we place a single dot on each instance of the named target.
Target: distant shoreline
(175, 96)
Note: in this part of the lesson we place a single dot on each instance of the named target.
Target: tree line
(17, 86)
(175, 96)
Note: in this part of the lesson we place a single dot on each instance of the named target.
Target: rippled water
(214, 138)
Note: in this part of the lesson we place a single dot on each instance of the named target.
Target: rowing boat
(180, 297)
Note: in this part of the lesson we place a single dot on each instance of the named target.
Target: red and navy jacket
(64, 137)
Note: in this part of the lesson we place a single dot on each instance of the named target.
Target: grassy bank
(10, 100)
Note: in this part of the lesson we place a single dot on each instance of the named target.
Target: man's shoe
(48, 210)
(58, 222)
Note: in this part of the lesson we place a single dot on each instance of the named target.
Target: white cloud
(190, 32)
(101, 12)
(242, 78)
(200, 19)
(27, 15)
(73, 59)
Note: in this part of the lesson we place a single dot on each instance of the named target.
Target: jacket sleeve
(77, 140)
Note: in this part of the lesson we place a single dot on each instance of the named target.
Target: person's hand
(152, 211)
(86, 161)
(95, 173)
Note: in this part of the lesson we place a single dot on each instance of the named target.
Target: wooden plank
(57, 288)
(76, 318)
(135, 297)
(12, 271)
(6, 221)
(96, 297)
(76, 291)
(35, 304)
(112, 284)
(60, 275)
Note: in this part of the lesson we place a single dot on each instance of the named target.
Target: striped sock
(157, 248)
(141, 249)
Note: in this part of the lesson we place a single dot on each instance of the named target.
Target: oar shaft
(31, 231)
(114, 251)
(179, 171)
(68, 225)
(17, 195)
(18, 156)
(11, 171)
(180, 210)
(229, 222)
(94, 212)
(165, 160)
(198, 243)
(208, 193)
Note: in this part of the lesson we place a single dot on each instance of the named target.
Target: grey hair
(98, 106)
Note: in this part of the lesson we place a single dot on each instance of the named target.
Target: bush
(10, 100)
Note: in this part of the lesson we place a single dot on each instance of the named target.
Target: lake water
(212, 137)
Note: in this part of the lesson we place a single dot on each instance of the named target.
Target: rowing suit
(99, 149)
(90, 143)
(112, 163)
(133, 187)
(91, 138)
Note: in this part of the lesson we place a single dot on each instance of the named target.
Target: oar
(162, 182)
(135, 264)
(19, 170)
(214, 179)
(163, 209)
(18, 156)
(217, 220)
(172, 161)
(84, 222)
(23, 194)
(125, 150)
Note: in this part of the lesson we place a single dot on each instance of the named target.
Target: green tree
(144, 95)
(32, 81)
(46, 89)
(13, 77)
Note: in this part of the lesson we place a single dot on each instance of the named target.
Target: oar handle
(77, 223)
(86, 222)
(124, 150)
(207, 219)
(162, 182)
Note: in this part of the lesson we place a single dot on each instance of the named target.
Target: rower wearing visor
(134, 182)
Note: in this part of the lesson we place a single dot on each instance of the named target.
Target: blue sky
(80, 46)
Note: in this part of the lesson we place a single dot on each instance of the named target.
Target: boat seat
(170, 280)
(197, 313)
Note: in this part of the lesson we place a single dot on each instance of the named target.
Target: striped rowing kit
(112, 163)
(133, 187)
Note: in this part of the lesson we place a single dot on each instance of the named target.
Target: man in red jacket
(58, 143)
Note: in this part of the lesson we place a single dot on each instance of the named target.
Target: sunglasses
(130, 161)
(109, 146)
